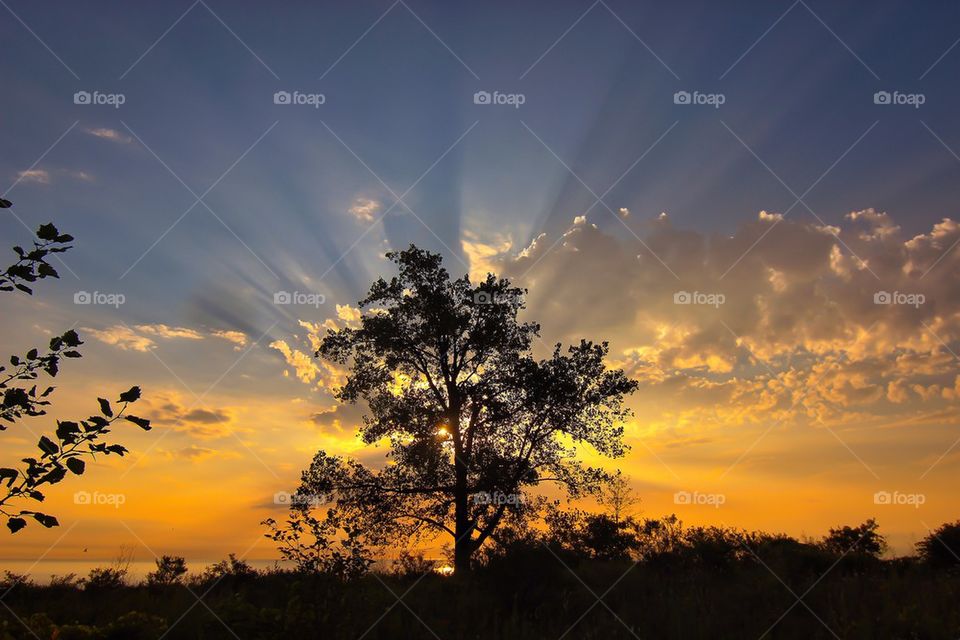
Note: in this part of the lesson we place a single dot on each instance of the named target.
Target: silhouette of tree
(21, 398)
(618, 497)
(941, 548)
(863, 540)
(472, 419)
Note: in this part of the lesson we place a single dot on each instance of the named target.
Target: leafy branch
(75, 441)
(32, 265)
(17, 402)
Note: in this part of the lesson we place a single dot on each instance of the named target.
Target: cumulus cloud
(781, 318)
(364, 209)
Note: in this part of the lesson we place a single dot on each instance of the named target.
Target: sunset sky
(795, 201)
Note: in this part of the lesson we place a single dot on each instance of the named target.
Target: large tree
(471, 419)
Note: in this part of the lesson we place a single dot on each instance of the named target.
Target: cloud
(44, 176)
(168, 332)
(482, 254)
(206, 416)
(142, 337)
(122, 337)
(110, 134)
(194, 453)
(238, 338)
(170, 408)
(364, 209)
(798, 334)
(39, 176)
(349, 315)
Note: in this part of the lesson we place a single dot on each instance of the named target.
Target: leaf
(64, 429)
(105, 407)
(71, 338)
(9, 475)
(54, 476)
(130, 396)
(47, 232)
(15, 524)
(143, 423)
(45, 520)
(48, 446)
(76, 465)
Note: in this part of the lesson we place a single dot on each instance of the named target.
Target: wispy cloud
(110, 134)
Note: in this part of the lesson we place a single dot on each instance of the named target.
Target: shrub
(941, 548)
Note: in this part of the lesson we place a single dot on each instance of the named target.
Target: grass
(532, 593)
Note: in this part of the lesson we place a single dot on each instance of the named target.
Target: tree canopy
(472, 420)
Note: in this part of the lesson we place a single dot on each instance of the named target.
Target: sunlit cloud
(38, 176)
(364, 209)
(110, 134)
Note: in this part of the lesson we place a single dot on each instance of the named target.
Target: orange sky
(791, 404)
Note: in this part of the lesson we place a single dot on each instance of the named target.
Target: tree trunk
(463, 544)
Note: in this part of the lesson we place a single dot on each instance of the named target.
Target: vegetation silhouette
(473, 420)
(64, 450)
(671, 581)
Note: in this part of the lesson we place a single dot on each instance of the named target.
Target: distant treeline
(584, 575)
